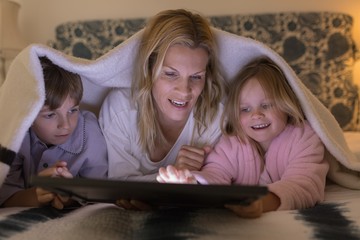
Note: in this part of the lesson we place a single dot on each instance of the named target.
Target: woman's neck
(171, 132)
(171, 129)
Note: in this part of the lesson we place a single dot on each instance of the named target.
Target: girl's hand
(269, 202)
(172, 175)
(254, 210)
(191, 158)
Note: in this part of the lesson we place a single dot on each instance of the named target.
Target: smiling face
(260, 120)
(56, 126)
(180, 83)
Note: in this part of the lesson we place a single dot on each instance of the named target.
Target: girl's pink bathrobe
(294, 167)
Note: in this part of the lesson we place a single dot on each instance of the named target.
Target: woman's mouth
(177, 103)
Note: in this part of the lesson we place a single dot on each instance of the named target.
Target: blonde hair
(166, 29)
(275, 86)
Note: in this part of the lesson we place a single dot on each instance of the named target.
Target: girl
(266, 140)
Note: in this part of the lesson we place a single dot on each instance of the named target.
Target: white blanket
(22, 94)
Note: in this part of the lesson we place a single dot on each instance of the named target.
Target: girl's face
(260, 120)
(180, 83)
(56, 126)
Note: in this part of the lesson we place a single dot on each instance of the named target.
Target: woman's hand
(191, 158)
(172, 175)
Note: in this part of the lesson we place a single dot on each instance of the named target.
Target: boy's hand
(44, 197)
(60, 201)
(59, 169)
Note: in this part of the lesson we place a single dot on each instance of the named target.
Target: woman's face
(180, 83)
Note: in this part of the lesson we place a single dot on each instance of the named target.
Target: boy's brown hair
(60, 83)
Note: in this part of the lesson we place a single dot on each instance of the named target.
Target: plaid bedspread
(337, 218)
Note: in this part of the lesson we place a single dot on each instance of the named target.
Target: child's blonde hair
(276, 88)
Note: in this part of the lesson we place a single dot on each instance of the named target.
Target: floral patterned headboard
(317, 45)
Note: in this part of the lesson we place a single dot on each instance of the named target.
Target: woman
(172, 112)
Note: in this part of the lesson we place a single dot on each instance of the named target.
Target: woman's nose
(184, 86)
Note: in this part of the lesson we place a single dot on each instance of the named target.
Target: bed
(319, 48)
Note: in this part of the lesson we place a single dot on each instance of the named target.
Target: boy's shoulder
(88, 120)
(88, 125)
(86, 114)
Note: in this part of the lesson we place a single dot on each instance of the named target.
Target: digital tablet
(153, 193)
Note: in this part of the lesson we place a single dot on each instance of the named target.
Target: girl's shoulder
(303, 130)
(304, 126)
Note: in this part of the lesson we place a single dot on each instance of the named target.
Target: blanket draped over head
(22, 94)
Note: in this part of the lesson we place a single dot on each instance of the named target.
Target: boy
(62, 142)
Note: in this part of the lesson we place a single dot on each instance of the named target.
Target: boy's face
(56, 126)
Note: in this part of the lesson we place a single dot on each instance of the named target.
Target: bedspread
(337, 218)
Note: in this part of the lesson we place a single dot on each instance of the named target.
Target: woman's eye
(197, 77)
(170, 74)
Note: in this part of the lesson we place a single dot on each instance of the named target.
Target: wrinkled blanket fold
(22, 93)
